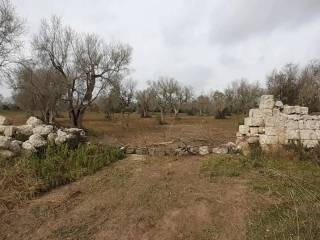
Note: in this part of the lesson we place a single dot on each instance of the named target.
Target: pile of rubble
(275, 124)
(34, 136)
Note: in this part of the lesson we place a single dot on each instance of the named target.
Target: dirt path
(136, 198)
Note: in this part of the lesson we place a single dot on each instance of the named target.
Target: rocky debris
(35, 135)
(276, 124)
(4, 121)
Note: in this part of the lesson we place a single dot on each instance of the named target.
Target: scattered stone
(5, 142)
(23, 132)
(9, 131)
(220, 150)
(33, 121)
(203, 150)
(278, 104)
(43, 130)
(15, 146)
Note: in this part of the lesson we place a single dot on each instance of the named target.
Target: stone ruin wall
(275, 124)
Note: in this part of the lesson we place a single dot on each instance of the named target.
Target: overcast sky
(203, 43)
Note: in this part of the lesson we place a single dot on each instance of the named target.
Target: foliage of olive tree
(11, 29)
(38, 90)
(86, 62)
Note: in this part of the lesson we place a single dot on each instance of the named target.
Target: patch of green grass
(60, 165)
(57, 165)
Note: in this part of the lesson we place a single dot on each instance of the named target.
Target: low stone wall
(276, 124)
(181, 151)
(33, 136)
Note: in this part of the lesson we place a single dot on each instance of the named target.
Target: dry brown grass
(147, 131)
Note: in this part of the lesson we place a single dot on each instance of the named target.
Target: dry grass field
(147, 131)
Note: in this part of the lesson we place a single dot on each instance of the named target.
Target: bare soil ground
(137, 198)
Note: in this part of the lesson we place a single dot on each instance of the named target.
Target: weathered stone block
(308, 135)
(268, 140)
(261, 130)
(266, 102)
(243, 129)
(253, 122)
(301, 124)
(253, 139)
(292, 134)
(295, 117)
(271, 131)
(254, 131)
(304, 110)
(267, 112)
(255, 113)
(269, 122)
(292, 124)
(311, 124)
(289, 109)
(276, 112)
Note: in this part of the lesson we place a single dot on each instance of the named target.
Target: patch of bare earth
(137, 198)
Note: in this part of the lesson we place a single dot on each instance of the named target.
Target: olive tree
(11, 29)
(38, 90)
(86, 62)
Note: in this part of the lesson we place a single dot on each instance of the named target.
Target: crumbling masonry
(276, 124)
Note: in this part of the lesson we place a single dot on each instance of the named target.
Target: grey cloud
(241, 19)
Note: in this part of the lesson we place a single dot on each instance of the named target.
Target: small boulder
(43, 130)
(52, 137)
(37, 141)
(66, 138)
(5, 142)
(15, 146)
(4, 120)
(203, 150)
(278, 104)
(9, 131)
(23, 132)
(33, 121)
(28, 146)
(220, 150)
